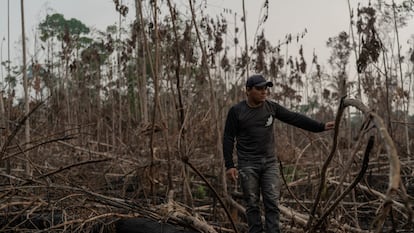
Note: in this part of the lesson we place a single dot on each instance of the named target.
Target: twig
(288, 188)
(72, 166)
(394, 175)
(37, 145)
(186, 161)
(17, 215)
(327, 162)
(350, 187)
(357, 146)
(18, 127)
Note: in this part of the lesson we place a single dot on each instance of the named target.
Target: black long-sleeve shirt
(252, 128)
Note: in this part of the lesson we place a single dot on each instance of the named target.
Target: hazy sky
(321, 18)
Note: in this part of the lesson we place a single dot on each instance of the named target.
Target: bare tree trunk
(408, 113)
(235, 53)
(246, 46)
(164, 124)
(26, 87)
(3, 125)
(156, 90)
(406, 107)
(98, 104)
(142, 82)
(8, 39)
(387, 93)
(66, 85)
(354, 47)
(213, 99)
(178, 86)
(4, 129)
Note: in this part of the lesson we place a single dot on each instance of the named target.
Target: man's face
(257, 94)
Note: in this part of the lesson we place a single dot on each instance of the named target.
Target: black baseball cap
(258, 80)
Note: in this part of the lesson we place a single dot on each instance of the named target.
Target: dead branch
(322, 184)
(19, 125)
(64, 138)
(350, 187)
(394, 175)
(288, 188)
(186, 160)
(178, 213)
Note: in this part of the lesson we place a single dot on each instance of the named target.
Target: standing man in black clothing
(250, 124)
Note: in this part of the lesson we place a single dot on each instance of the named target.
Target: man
(250, 124)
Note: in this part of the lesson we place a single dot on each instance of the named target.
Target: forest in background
(128, 123)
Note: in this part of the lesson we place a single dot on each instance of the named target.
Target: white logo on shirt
(269, 121)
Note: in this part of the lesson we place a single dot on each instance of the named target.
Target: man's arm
(299, 120)
(230, 130)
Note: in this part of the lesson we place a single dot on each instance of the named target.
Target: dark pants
(261, 177)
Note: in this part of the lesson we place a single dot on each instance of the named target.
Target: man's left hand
(329, 125)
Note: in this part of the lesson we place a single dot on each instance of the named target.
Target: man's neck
(253, 104)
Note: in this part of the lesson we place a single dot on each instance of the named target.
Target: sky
(321, 19)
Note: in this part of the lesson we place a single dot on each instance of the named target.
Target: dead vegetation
(141, 137)
(78, 188)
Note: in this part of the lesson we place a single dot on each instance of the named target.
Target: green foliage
(51, 26)
(56, 25)
(95, 53)
(340, 50)
(411, 118)
(83, 42)
(291, 174)
(11, 80)
(311, 105)
(200, 192)
(111, 29)
(76, 27)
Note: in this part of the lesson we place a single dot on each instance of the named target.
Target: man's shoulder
(238, 108)
(240, 105)
(273, 103)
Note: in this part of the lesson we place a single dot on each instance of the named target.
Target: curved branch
(327, 162)
(289, 190)
(394, 175)
(18, 127)
(350, 187)
(186, 161)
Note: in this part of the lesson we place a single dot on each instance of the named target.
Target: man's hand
(329, 125)
(232, 174)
